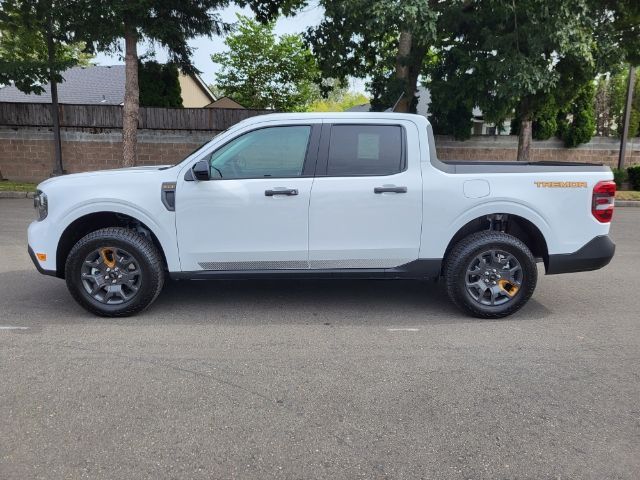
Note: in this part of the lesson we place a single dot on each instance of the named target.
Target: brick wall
(26, 154)
(505, 148)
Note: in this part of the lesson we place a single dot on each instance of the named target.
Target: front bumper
(597, 253)
(37, 264)
(39, 240)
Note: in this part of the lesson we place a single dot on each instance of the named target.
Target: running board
(418, 269)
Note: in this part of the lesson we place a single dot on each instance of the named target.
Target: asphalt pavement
(319, 379)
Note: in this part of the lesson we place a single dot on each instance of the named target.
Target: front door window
(275, 152)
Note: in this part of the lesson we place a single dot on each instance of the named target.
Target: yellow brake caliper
(507, 287)
(108, 257)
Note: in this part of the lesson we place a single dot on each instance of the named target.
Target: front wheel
(490, 274)
(114, 272)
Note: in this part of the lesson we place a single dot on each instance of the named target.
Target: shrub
(583, 122)
(545, 123)
(634, 177)
(159, 85)
(619, 176)
(545, 127)
(456, 122)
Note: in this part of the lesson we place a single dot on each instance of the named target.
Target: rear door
(366, 201)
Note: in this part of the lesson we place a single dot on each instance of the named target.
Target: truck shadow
(45, 300)
(344, 302)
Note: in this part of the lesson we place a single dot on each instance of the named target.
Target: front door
(253, 213)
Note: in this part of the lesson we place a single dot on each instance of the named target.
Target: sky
(204, 47)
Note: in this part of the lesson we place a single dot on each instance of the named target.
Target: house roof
(363, 107)
(228, 101)
(84, 85)
(205, 88)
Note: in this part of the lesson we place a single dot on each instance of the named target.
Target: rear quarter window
(362, 150)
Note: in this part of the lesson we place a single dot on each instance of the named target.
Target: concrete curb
(627, 203)
(4, 194)
(619, 203)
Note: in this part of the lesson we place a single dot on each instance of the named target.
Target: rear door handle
(390, 189)
(281, 191)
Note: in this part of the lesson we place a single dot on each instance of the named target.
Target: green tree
(579, 122)
(617, 94)
(545, 120)
(24, 60)
(216, 90)
(338, 100)
(518, 55)
(452, 95)
(621, 24)
(36, 46)
(603, 107)
(634, 121)
(169, 23)
(260, 70)
(383, 40)
(159, 85)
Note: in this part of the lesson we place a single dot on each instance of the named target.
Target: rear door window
(363, 150)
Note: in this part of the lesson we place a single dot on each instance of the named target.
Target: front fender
(164, 233)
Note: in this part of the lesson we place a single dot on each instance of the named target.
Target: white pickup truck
(323, 196)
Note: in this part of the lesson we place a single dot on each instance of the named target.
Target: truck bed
(471, 166)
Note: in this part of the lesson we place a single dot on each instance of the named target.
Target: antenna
(393, 109)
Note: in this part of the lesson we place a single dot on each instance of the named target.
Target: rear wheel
(490, 274)
(114, 272)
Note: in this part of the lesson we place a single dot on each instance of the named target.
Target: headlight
(41, 204)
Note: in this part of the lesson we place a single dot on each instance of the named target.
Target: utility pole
(627, 116)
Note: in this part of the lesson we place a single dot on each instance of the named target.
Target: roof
(363, 107)
(228, 100)
(329, 116)
(84, 85)
(205, 88)
(336, 115)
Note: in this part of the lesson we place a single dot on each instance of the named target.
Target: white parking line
(11, 327)
(403, 329)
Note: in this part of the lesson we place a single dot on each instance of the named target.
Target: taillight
(604, 195)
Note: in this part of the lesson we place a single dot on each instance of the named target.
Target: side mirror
(201, 170)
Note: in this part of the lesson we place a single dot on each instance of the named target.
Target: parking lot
(316, 379)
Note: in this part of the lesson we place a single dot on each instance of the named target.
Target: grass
(628, 195)
(7, 186)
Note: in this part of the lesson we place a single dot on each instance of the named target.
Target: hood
(72, 177)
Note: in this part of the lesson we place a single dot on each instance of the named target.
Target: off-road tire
(146, 255)
(463, 253)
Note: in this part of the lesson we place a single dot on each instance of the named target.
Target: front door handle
(390, 189)
(281, 191)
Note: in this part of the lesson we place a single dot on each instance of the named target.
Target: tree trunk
(525, 140)
(402, 70)
(408, 66)
(55, 112)
(131, 98)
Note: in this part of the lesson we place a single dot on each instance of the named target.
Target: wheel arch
(93, 221)
(522, 228)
